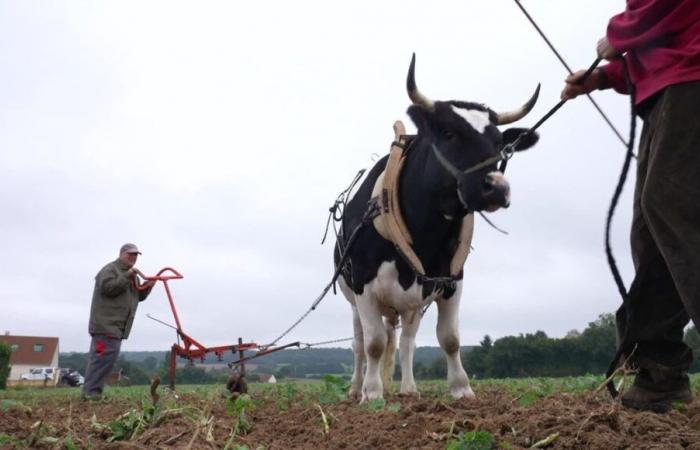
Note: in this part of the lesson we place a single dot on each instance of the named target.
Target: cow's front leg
(358, 346)
(448, 336)
(375, 340)
(358, 349)
(409, 327)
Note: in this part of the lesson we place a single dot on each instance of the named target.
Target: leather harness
(389, 222)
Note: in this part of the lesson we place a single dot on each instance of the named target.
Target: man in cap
(114, 302)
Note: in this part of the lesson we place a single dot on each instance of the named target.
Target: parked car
(39, 373)
(71, 377)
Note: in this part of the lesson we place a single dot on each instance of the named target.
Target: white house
(29, 352)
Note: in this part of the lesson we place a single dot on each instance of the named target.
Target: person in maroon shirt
(660, 43)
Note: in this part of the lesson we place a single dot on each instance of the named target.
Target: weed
(7, 404)
(68, 443)
(680, 407)
(375, 405)
(7, 439)
(285, 395)
(334, 389)
(472, 440)
(238, 408)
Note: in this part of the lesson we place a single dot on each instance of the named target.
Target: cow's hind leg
(448, 336)
(389, 358)
(410, 321)
(375, 340)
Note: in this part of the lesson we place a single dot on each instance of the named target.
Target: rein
(625, 348)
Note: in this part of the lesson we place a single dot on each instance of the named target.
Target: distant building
(29, 352)
(267, 378)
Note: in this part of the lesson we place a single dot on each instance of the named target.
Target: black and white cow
(381, 287)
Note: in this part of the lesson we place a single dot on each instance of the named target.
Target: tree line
(525, 355)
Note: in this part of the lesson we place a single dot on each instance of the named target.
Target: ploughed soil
(571, 421)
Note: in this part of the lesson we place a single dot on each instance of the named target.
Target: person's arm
(113, 283)
(614, 77)
(645, 22)
(143, 294)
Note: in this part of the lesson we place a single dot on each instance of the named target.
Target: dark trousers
(665, 293)
(104, 352)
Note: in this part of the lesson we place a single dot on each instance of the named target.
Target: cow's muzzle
(490, 194)
(495, 191)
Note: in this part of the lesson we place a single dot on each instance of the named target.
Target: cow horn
(511, 116)
(413, 93)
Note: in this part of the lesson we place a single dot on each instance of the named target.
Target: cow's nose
(495, 191)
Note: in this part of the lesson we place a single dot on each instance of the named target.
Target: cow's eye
(447, 134)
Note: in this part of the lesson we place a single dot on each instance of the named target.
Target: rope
(336, 211)
(558, 55)
(625, 345)
(371, 212)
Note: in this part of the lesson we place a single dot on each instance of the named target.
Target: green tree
(135, 373)
(474, 361)
(438, 368)
(150, 363)
(5, 353)
(285, 371)
(75, 361)
(598, 344)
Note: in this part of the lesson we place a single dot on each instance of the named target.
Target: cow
(438, 200)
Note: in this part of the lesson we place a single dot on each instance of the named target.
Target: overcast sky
(216, 135)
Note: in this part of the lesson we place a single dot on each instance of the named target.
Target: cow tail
(389, 357)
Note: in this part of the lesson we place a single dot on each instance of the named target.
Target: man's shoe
(92, 397)
(659, 402)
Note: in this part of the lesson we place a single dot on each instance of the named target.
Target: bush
(5, 352)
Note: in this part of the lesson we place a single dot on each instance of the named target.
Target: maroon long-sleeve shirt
(661, 39)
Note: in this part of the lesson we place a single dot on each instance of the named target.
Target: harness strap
(390, 224)
(392, 227)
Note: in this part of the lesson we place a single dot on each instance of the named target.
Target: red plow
(189, 348)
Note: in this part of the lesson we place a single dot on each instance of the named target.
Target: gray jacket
(114, 301)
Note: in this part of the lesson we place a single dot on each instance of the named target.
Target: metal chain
(288, 330)
(314, 344)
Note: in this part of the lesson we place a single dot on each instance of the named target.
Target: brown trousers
(665, 293)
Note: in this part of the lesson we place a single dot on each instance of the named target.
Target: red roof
(31, 350)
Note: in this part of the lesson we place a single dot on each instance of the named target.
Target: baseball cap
(129, 248)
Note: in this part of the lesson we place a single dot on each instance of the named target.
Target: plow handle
(173, 275)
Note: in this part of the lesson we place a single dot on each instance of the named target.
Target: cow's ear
(419, 116)
(527, 141)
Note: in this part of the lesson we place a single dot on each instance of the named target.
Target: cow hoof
(463, 393)
(369, 396)
(354, 394)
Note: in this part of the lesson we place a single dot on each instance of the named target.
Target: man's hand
(605, 50)
(573, 87)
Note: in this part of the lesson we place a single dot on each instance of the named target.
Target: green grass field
(517, 387)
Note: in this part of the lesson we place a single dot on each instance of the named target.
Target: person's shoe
(659, 398)
(92, 397)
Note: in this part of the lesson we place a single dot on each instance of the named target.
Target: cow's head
(464, 134)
